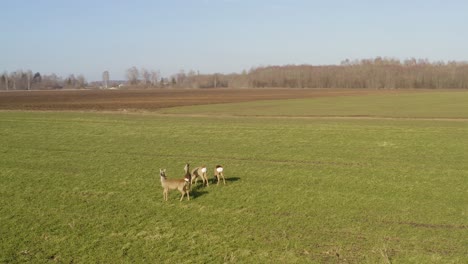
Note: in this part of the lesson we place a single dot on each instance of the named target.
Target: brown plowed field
(112, 100)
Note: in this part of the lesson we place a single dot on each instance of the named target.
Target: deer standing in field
(172, 184)
(200, 172)
(218, 172)
(188, 176)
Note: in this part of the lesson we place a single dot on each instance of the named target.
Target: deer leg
(205, 178)
(181, 198)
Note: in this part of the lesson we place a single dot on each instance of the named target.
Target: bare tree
(181, 78)
(5, 75)
(146, 75)
(154, 78)
(81, 81)
(71, 81)
(52, 81)
(20, 79)
(192, 80)
(13, 78)
(105, 79)
(133, 75)
(36, 80)
(2, 82)
(29, 76)
(215, 80)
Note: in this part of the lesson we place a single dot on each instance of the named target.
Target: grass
(84, 188)
(432, 104)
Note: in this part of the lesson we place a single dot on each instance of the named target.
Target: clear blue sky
(88, 37)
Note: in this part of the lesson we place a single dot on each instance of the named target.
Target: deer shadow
(228, 179)
(195, 193)
(200, 190)
(232, 179)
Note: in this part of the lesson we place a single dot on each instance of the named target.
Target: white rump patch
(203, 170)
(220, 169)
(186, 179)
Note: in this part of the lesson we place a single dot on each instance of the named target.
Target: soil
(118, 100)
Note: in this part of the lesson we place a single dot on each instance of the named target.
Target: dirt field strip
(111, 100)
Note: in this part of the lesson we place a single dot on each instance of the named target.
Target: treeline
(377, 73)
(380, 73)
(26, 80)
(143, 78)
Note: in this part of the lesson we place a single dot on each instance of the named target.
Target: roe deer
(200, 172)
(172, 184)
(218, 172)
(188, 176)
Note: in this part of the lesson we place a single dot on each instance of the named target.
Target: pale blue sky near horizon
(88, 37)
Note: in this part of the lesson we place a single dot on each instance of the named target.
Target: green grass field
(85, 188)
(432, 104)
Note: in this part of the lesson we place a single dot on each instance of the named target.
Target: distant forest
(377, 73)
(26, 80)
